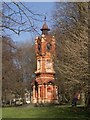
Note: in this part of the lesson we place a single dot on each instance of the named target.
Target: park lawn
(46, 112)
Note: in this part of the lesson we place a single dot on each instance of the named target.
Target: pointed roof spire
(45, 28)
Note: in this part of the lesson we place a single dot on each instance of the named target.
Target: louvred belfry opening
(44, 88)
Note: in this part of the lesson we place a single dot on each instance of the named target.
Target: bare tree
(18, 17)
(9, 70)
(71, 31)
(18, 66)
(26, 60)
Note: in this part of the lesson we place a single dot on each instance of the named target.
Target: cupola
(45, 28)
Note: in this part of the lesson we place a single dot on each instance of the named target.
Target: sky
(44, 8)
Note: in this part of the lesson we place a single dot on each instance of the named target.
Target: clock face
(48, 46)
(48, 64)
(39, 46)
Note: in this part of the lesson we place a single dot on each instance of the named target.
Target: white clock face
(48, 64)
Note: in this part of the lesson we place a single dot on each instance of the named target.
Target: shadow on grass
(47, 113)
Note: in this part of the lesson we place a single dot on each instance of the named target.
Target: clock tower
(44, 88)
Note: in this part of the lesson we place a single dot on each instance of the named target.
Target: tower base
(46, 93)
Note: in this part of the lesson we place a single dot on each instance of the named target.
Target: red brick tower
(44, 88)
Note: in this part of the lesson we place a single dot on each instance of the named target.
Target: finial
(45, 28)
(45, 19)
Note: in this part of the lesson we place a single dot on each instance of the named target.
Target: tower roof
(45, 28)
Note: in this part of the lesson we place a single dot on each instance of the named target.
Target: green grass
(45, 112)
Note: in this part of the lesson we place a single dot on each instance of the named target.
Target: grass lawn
(46, 112)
